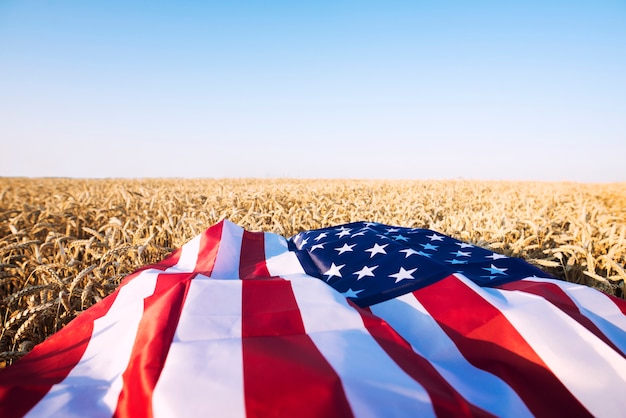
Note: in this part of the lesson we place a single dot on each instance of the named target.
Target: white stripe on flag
(279, 260)
(95, 383)
(600, 374)
(597, 307)
(203, 372)
(374, 384)
(411, 320)
(229, 252)
(188, 257)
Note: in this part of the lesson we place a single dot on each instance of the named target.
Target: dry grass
(65, 244)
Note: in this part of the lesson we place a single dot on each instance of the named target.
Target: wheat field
(66, 243)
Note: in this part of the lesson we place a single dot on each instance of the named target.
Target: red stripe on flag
(557, 296)
(154, 336)
(284, 372)
(26, 382)
(490, 342)
(209, 245)
(252, 263)
(446, 400)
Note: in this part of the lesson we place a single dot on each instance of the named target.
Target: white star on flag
(334, 271)
(409, 252)
(365, 271)
(435, 237)
(377, 249)
(461, 254)
(320, 236)
(399, 237)
(495, 270)
(464, 245)
(343, 231)
(351, 293)
(429, 247)
(495, 256)
(345, 248)
(316, 246)
(403, 274)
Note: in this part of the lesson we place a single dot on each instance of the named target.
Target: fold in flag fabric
(363, 319)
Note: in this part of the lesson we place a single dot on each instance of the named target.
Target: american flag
(361, 319)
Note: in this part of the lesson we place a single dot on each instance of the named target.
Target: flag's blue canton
(371, 262)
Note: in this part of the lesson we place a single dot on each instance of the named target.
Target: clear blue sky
(525, 90)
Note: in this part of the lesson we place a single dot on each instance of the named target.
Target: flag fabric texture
(362, 319)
